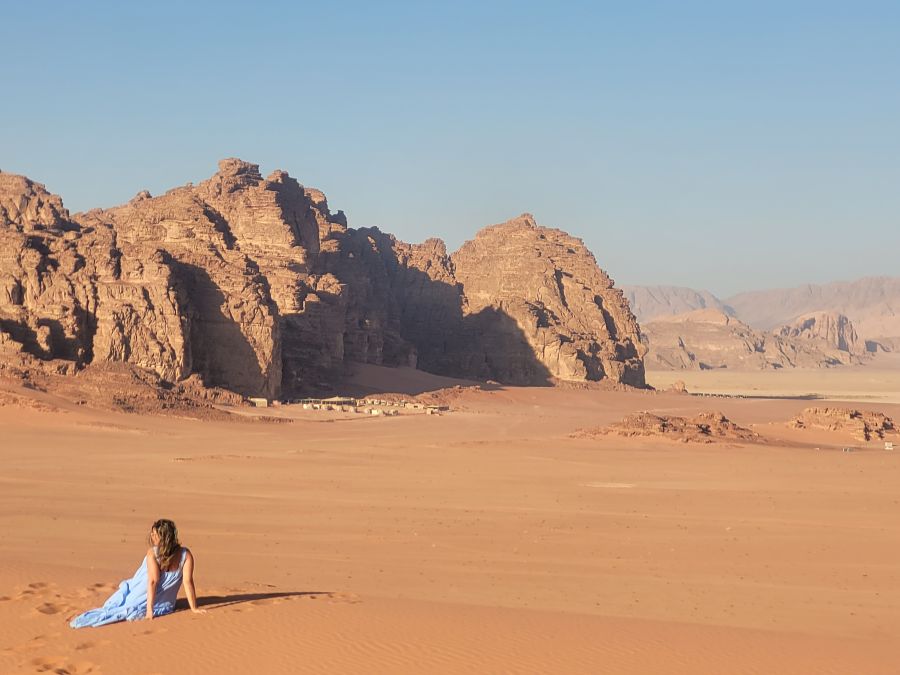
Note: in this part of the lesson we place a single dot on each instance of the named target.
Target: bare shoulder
(152, 564)
(187, 553)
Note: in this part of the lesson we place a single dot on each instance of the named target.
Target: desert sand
(875, 382)
(490, 539)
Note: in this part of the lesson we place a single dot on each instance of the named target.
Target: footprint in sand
(81, 646)
(46, 596)
(54, 608)
(343, 598)
(60, 666)
(50, 608)
(94, 590)
(37, 642)
(275, 600)
(155, 631)
(32, 589)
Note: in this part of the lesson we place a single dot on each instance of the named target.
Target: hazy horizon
(718, 148)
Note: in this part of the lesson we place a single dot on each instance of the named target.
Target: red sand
(483, 540)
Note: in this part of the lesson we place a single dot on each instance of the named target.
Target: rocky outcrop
(828, 330)
(862, 424)
(252, 284)
(704, 427)
(545, 308)
(709, 339)
(69, 292)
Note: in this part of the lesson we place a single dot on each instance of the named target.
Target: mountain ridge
(252, 284)
(871, 303)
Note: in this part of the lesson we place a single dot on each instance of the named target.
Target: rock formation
(829, 330)
(252, 284)
(534, 306)
(709, 339)
(872, 304)
(704, 427)
(71, 292)
(862, 424)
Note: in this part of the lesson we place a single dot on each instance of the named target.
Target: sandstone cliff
(539, 291)
(255, 286)
(828, 330)
(707, 339)
(71, 292)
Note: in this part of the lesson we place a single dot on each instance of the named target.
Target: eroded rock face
(70, 292)
(546, 306)
(229, 297)
(255, 286)
(710, 339)
(827, 329)
(862, 424)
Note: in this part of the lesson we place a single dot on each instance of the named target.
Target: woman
(154, 587)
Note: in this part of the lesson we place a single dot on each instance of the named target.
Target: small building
(258, 402)
(339, 400)
(888, 445)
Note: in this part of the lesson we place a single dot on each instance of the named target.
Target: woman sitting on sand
(154, 587)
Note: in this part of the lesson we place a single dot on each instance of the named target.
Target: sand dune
(484, 540)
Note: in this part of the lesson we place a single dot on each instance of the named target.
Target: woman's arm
(189, 590)
(152, 580)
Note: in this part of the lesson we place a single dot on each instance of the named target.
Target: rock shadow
(219, 350)
(413, 318)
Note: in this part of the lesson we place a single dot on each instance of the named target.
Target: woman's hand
(197, 610)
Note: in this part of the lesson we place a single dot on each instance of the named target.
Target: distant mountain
(654, 302)
(872, 304)
(710, 339)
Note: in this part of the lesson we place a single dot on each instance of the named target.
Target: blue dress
(129, 603)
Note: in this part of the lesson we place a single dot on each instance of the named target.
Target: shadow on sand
(218, 601)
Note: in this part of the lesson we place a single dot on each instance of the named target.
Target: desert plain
(492, 538)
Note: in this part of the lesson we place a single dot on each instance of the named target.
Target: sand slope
(485, 540)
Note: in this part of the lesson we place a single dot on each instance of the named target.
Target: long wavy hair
(168, 545)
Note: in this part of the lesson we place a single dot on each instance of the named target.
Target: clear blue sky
(722, 145)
